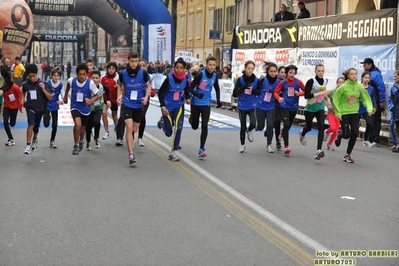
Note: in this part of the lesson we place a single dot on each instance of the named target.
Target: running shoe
(393, 147)
(81, 144)
(375, 144)
(35, 141)
(279, 147)
(52, 145)
(250, 136)
(319, 155)
(269, 149)
(140, 143)
(10, 142)
(302, 139)
(88, 146)
(330, 148)
(202, 153)
(132, 159)
(348, 158)
(173, 157)
(97, 143)
(106, 135)
(338, 141)
(396, 149)
(159, 124)
(27, 150)
(366, 143)
(119, 142)
(75, 150)
(287, 150)
(325, 137)
(241, 149)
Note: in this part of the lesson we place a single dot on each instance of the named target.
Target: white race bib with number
(79, 97)
(133, 95)
(11, 97)
(33, 95)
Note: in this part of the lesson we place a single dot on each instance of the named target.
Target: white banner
(159, 42)
(226, 90)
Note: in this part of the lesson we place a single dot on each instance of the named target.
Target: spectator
(379, 91)
(18, 71)
(283, 15)
(219, 73)
(303, 12)
(388, 4)
(62, 66)
(226, 70)
(150, 69)
(69, 69)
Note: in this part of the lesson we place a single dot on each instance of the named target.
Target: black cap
(368, 60)
(301, 3)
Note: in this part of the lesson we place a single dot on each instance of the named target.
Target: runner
(143, 65)
(172, 95)
(346, 103)
(135, 84)
(315, 93)
(90, 65)
(37, 93)
(96, 111)
(203, 83)
(12, 102)
(111, 81)
(333, 121)
(291, 88)
(277, 117)
(265, 104)
(367, 138)
(244, 89)
(54, 104)
(83, 93)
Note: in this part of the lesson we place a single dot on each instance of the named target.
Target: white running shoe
(302, 139)
(106, 135)
(250, 136)
(140, 143)
(97, 143)
(173, 157)
(241, 149)
(35, 141)
(319, 155)
(270, 149)
(27, 150)
(367, 144)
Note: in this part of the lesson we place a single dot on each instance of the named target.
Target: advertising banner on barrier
(159, 42)
(365, 28)
(267, 35)
(226, 90)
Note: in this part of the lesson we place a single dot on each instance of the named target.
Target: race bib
(248, 91)
(133, 95)
(268, 96)
(203, 84)
(79, 97)
(291, 92)
(351, 99)
(176, 96)
(11, 97)
(96, 102)
(33, 95)
(320, 98)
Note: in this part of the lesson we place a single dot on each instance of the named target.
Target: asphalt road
(229, 209)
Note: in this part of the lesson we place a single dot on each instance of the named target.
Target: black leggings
(46, 121)
(320, 116)
(368, 133)
(277, 122)
(242, 114)
(9, 119)
(205, 112)
(287, 117)
(269, 115)
(350, 130)
(93, 121)
(143, 121)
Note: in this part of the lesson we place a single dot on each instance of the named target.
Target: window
(191, 25)
(217, 19)
(199, 24)
(182, 27)
(230, 18)
(211, 16)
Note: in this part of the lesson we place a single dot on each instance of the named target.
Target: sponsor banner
(226, 90)
(159, 42)
(52, 7)
(268, 35)
(384, 57)
(259, 56)
(186, 56)
(365, 28)
(15, 36)
(158, 80)
(58, 37)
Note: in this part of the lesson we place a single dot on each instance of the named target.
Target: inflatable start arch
(16, 23)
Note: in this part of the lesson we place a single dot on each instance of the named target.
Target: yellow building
(195, 19)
